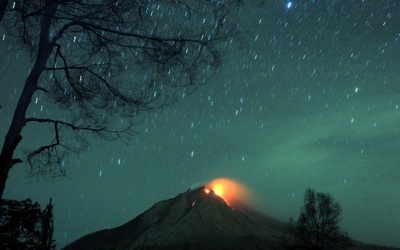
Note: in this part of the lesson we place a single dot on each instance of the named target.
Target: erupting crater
(231, 191)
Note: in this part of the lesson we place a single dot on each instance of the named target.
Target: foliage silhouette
(24, 226)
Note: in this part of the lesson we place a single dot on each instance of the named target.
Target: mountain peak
(198, 195)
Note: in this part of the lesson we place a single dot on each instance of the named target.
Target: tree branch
(70, 125)
(113, 59)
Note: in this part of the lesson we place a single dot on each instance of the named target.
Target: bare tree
(318, 224)
(47, 227)
(100, 63)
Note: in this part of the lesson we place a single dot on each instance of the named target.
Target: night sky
(307, 97)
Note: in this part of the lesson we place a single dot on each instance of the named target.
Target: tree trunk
(5, 166)
(13, 136)
(6, 163)
(3, 7)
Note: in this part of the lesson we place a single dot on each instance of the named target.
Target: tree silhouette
(318, 224)
(97, 65)
(24, 226)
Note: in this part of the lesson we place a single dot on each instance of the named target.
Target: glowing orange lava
(231, 191)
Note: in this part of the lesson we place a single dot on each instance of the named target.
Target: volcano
(195, 219)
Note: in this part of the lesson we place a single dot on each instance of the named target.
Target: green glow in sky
(309, 97)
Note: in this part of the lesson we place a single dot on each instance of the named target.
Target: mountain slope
(192, 220)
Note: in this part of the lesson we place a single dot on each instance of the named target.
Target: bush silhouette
(24, 226)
